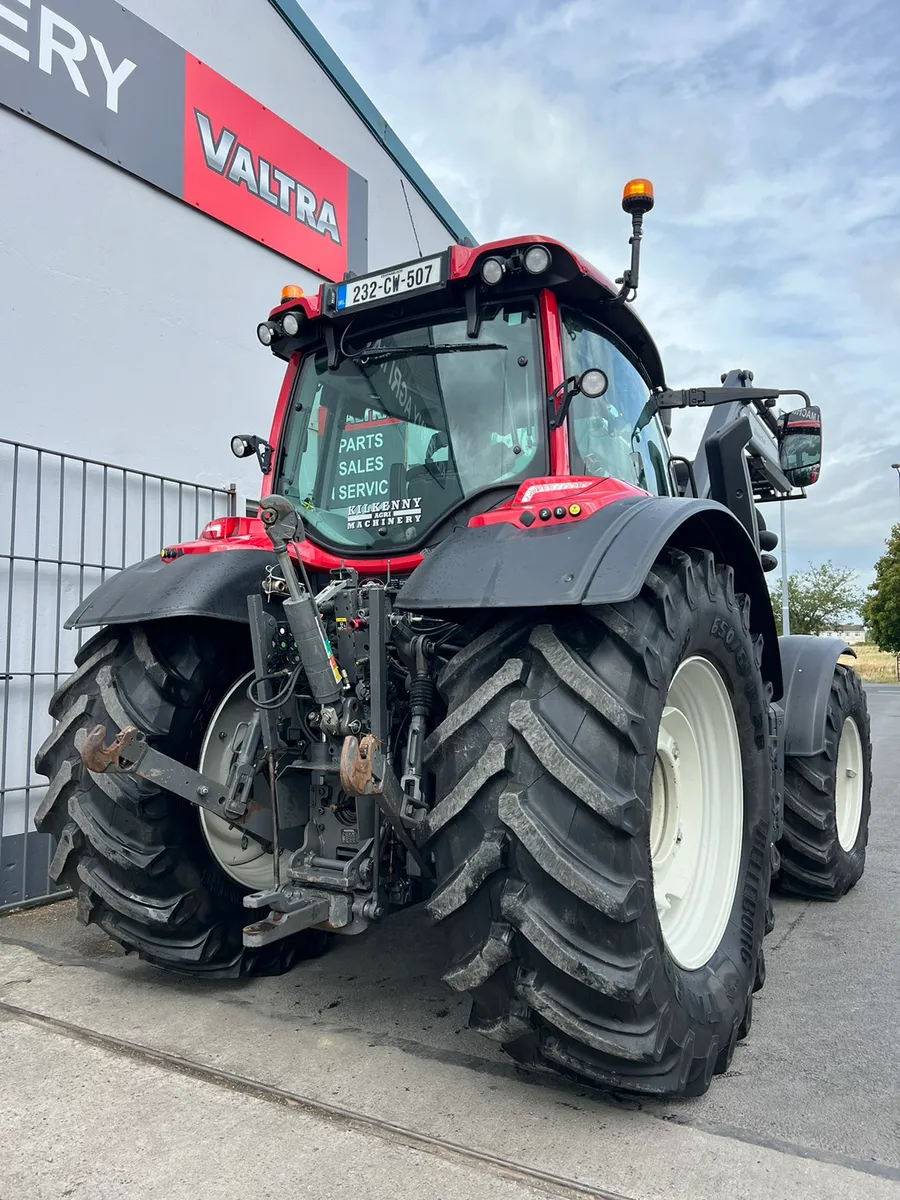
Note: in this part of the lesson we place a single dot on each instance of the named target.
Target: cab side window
(615, 435)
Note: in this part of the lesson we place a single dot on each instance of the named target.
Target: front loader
(489, 646)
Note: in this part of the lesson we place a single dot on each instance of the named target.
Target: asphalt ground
(355, 1074)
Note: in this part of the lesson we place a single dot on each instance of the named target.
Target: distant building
(852, 634)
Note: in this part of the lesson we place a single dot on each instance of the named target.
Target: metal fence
(69, 523)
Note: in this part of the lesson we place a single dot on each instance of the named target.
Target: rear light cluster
(221, 527)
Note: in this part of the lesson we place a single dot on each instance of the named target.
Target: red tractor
(488, 646)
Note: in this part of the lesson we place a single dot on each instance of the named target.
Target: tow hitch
(366, 772)
(292, 908)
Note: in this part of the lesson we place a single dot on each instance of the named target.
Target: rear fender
(194, 585)
(602, 559)
(808, 664)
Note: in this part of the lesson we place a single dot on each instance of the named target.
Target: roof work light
(536, 260)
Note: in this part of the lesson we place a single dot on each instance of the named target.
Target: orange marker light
(291, 292)
(637, 195)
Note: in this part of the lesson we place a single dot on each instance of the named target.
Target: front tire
(132, 853)
(827, 800)
(544, 768)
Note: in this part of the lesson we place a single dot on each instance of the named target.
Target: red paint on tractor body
(249, 533)
(547, 493)
(586, 493)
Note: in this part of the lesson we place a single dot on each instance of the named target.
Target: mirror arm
(762, 399)
(705, 397)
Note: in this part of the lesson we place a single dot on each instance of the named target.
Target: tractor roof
(572, 278)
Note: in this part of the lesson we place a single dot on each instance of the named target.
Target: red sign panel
(247, 167)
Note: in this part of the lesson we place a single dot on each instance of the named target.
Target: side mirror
(800, 445)
(245, 444)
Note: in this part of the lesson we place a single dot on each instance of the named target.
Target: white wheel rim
(243, 859)
(697, 809)
(848, 786)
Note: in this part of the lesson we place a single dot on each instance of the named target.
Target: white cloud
(770, 130)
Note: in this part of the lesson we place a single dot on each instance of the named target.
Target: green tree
(819, 598)
(881, 610)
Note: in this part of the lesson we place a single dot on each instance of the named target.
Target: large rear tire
(133, 853)
(550, 767)
(827, 800)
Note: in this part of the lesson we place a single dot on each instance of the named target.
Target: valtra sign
(101, 77)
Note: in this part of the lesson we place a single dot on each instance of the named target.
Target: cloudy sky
(771, 131)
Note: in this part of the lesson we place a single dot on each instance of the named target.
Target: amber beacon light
(637, 196)
(291, 292)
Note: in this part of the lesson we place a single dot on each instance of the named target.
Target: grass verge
(873, 665)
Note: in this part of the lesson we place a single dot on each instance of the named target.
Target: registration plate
(371, 289)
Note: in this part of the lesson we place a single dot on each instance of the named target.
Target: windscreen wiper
(384, 353)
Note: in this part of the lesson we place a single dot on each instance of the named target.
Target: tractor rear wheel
(601, 834)
(827, 800)
(134, 854)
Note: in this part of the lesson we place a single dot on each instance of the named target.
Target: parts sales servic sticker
(95, 73)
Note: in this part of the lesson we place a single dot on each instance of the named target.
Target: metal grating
(67, 524)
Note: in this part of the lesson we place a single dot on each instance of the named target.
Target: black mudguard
(603, 559)
(195, 585)
(808, 665)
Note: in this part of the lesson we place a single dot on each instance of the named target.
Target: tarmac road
(355, 1074)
